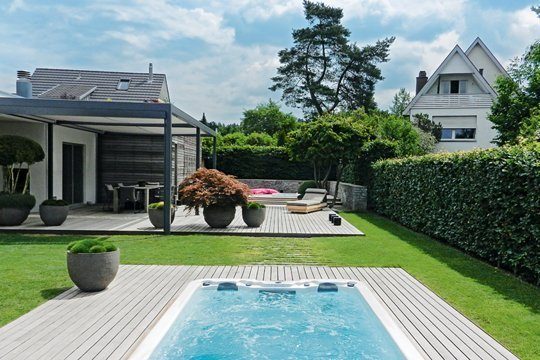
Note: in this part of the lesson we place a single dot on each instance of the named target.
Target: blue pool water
(249, 324)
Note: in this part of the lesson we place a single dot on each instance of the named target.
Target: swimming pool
(232, 319)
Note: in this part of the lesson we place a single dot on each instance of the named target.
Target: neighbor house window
(458, 134)
(123, 84)
(453, 87)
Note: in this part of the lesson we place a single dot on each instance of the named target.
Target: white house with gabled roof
(459, 95)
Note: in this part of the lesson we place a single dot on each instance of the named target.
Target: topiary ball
(98, 249)
(80, 248)
(110, 247)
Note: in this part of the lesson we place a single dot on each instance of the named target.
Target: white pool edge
(149, 343)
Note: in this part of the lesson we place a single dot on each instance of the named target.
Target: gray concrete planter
(53, 215)
(156, 217)
(13, 216)
(219, 216)
(253, 217)
(93, 272)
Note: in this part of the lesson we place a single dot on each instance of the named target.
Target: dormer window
(453, 87)
(123, 84)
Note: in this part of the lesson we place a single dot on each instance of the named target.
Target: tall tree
(323, 71)
(268, 118)
(401, 99)
(516, 111)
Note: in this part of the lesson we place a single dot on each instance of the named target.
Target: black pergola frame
(38, 109)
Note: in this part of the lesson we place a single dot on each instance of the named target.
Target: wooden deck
(279, 222)
(109, 324)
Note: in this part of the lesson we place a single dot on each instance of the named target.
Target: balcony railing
(454, 101)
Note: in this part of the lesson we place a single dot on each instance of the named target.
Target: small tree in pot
(92, 264)
(253, 214)
(17, 153)
(53, 212)
(218, 194)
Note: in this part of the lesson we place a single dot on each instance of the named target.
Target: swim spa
(232, 319)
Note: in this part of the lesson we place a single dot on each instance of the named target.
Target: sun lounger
(313, 200)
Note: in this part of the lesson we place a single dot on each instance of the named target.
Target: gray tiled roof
(140, 90)
(69, 91)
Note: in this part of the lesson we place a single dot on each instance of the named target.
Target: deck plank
(114, 321)
(279, 222)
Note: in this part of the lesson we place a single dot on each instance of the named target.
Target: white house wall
(481, 60)
(456, 65)
(38, 172)
(89, 141)
(484, 132)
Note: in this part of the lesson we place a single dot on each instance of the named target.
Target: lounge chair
(313, 200)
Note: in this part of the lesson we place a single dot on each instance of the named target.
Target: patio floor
(279, 222)
(109, 324)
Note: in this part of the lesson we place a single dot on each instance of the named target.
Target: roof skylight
(123, 84)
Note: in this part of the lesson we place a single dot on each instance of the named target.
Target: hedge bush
(259, 162)
(486, 202)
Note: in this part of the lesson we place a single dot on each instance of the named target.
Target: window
(453, 87)
(458, 134)
(446, 134)
(123, 84)
(464, 133)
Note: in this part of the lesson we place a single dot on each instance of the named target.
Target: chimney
(24, 86)
(150, 72)
(421, 81)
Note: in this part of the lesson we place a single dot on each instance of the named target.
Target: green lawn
(33, 270)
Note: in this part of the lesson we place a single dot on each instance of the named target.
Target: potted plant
(92, 264)
(53, 212)
(155, 214)
(218, 194)
(17, 153)
(253, 214)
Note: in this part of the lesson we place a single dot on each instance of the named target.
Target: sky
(219, 56)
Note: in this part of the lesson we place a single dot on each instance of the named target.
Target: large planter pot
(13, 216)
(53, 215)
(253, 217)
(219, 216)
(93, 272)
(156, 217)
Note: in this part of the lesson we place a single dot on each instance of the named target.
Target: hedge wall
(485, 202)
(259, 162)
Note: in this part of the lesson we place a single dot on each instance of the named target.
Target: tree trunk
(339, 170)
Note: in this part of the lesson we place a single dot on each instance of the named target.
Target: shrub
(360, 171)
(259, 162)
(306, 185)
(207, 187)
(260, 139)
(15, 151)
(485, 202)
(18, 201)
(255, 205)
(98, 249)
(55, 202)
(90, 246)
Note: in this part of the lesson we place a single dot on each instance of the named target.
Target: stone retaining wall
(353, 197)
(286, 186)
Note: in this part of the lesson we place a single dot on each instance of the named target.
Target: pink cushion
(263, 191)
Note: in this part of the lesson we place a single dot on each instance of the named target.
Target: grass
(33, 270)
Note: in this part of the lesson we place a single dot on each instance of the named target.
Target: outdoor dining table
(146, 189)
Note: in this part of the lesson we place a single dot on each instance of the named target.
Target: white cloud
(16, 5)
(167, 21)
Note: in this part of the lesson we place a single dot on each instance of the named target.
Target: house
(459, 96)
(100, 127)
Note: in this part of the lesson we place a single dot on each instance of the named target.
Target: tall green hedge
(486, 202)
(259, 162)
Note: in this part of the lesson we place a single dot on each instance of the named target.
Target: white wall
(484, 133)
(482, 61)
(38, 172)
(89, 141)
(456, 65)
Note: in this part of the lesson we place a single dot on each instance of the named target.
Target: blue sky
(219, 56)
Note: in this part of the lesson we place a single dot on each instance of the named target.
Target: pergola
(101, 117)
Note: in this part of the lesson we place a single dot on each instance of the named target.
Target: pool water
(252, 323)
